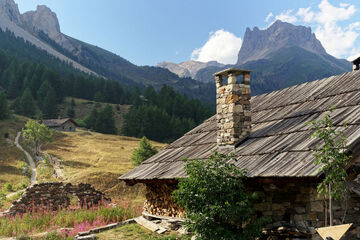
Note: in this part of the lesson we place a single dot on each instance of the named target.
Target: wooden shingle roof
(57, 122)
(279, 144)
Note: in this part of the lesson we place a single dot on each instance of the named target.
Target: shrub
(6, 135)
(8, 187)
(216, 204)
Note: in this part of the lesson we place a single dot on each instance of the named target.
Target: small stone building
(270, 137)
(63, 125)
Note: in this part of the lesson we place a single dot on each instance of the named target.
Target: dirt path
(29, 159)
(13, 194)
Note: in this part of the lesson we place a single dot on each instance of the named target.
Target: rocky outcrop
(259, 44)
(189, 68)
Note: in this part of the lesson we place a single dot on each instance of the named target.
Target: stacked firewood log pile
(159, 200)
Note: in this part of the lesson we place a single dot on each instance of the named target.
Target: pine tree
(145, 151)
(71, 112)
(42, 93)
(4, 111)
(49, 108)
(105, 123)
(90, 120)
(98, 97)
(14, 87)
(27, 104)
(73, 103)
(16, 105)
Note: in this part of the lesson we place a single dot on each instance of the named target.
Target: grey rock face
(259, 44)
(9, 10)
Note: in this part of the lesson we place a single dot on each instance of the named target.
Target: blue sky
(146, 32)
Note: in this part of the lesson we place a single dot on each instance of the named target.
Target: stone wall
(56, 195)
(158, 200)
(66, 127)
(288, 204)
(297, 205)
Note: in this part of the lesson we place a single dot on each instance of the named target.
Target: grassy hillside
(12, 160)
(83, 108)
(98, 159)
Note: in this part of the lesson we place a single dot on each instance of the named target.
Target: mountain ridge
(188, 68)
(42, 29)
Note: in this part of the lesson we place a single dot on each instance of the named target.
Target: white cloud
(338, 39)
(222, 46)
(287, 16)
(306, 14)
(269, 16)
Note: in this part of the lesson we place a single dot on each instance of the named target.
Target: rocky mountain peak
(259, 44)
(43, 19)
(189, 68)
(10, 11)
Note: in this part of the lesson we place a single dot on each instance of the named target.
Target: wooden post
(326, 212)
(330, 206)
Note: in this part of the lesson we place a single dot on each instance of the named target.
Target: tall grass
(76, 220)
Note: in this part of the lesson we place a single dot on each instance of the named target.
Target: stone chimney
(232, 106)
(356, 63)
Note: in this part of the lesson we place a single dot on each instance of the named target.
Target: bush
(80, 123)
(6, 135)
(216, 204)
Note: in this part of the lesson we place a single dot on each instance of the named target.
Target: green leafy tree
(216, 204)
(145, 151)
(37, 134)
(332, 154)
(4, 110)
(27, 103)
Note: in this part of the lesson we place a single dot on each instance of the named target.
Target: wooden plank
(147, 224)
(335, 232)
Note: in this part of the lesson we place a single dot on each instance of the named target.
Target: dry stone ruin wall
(56, 195)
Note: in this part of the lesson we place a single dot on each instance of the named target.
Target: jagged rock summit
(259, 44)
(43, 19)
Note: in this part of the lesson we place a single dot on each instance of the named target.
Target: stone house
(270, 138)
(62, 125)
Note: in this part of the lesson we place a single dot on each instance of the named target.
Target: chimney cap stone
(355, 60)
(235, 71)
